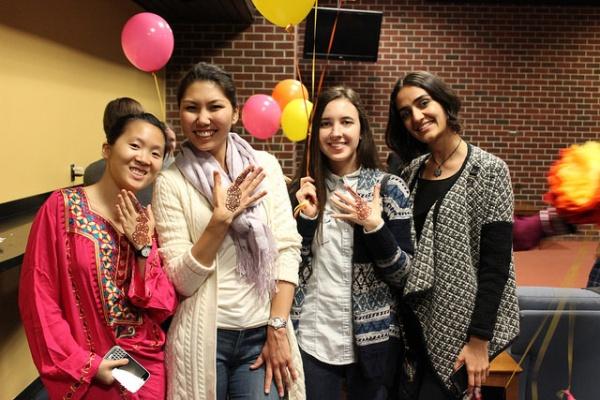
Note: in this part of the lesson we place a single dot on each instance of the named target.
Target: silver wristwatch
(144, 252)
(277, 323)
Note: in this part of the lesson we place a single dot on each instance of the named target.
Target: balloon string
(570, 344)
(568, 281)
(296, 72)
(314, 52)
(160, 102)
(527, 348)
(321, 79)
(271, 144)
(300, 206)
(329, 46)
(312, 91)
(296, 52)
(309, 118)
(323, 72)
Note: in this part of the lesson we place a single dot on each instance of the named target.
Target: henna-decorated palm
(228, 204)
(136, 221)
(355, 209)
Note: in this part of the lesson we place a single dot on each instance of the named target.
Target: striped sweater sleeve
(391, 247)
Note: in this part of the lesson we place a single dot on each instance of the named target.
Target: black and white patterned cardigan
(380, 261)
(458, 235)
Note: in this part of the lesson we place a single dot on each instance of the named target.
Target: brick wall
(529, 75)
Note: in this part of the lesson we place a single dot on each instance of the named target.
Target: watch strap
(277, 323)
(144, 252)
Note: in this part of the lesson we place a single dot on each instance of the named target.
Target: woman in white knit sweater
(232, 250)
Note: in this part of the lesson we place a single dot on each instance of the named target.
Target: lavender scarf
(254, 243)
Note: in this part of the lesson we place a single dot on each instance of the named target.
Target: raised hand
(355, 209)
(240, 195)
(307, 197)
(136, 221)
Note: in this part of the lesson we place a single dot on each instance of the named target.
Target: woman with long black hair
(459, 302)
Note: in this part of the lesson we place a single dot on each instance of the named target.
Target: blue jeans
(325, 381)
(236, 352)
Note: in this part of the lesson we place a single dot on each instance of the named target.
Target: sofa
(537, 303)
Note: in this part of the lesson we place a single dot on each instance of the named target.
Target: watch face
(277, 322)
(146, 251)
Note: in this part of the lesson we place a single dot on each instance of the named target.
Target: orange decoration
(574, 183)
(288, 90)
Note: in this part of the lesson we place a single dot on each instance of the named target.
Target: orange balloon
(288, 90)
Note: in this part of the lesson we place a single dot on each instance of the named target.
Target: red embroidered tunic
(80, 294)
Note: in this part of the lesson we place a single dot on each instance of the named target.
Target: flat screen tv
(356, 35)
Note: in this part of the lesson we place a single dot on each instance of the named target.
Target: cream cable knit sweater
(181, 216)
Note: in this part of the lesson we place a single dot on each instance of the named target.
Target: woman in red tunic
(92, 277)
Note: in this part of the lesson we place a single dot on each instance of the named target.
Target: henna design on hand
(234, 195)
(363, 210)
(140, 234)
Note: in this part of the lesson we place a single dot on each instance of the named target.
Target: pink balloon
(147, 41)
(261, 115)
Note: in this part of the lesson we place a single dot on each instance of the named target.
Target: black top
(428, 192)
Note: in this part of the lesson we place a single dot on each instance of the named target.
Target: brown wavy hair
(366, 151)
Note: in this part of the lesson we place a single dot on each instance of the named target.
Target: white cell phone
(133, 375)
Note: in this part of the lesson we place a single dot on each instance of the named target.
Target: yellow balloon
(294, 119)
(284, 12)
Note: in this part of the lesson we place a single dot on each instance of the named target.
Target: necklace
(438, 170)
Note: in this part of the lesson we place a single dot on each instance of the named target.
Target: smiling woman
(92, 277)
(206, 118)
(459, 300)
(232, 249)
(355, 226)
(134, 151)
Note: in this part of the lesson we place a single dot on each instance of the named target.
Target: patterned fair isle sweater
(380, 261)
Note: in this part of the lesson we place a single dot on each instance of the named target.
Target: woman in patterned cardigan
(356, 248)
(459, 303)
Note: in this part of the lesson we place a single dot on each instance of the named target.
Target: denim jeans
(325, 381)
(236, 352)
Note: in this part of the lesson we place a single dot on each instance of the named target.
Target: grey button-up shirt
(326, 329)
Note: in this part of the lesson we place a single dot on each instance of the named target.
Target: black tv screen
(356, 35)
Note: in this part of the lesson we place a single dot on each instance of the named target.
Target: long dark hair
(397, 137)
(366, 152)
